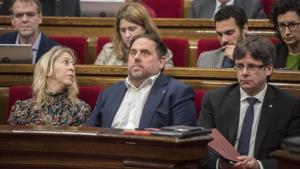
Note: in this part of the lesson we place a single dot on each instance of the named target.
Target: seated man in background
(254, 116)
(208, 8)
(26, 16)
(51, 7)
(231, 27)
(146, 98)
(286, 20)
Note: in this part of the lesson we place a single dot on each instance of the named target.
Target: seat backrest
(199, 93)
(267, 5)
(101, 41)
(89, 94)
(180, 50)
(166, 8)
(207, 44)
(77, 43)
(15, 93)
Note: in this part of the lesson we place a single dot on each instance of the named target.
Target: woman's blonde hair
(134, 13)
(43, 68)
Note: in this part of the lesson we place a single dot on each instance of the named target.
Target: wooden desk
(27, 147)
(287, 159)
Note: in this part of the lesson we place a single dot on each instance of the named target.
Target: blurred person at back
(132, 19)
(55, 91)
(51, 7)
(208, 8)
(26, 16)
(285, 17)
(231, 27)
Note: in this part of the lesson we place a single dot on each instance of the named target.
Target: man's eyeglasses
(241, 67)
(293, 26)
(21, 15)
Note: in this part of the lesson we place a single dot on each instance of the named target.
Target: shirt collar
(149, 81)
(230, 2)
(259, 96)
(36, 44)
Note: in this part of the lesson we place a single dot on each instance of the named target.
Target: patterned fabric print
(57, 111)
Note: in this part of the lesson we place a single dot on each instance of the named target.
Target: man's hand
(228, 50)
(246, 162)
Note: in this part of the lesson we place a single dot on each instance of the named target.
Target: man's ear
(269, 69)
(162, 62)
(245, 30)
(12, 20)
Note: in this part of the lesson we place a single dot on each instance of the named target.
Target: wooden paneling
(191, 29)
(287, 159)
(31, 147)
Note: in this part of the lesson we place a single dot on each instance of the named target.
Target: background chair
(207, 44)
(77, 43)
(166, 8)
(89, 94)
(180, 50)
(199, 93)
(15, 93)
(267, 5)
(101, 41)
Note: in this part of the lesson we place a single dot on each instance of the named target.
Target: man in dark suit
(208, 8)
(146, 98)
(271, 114)
(286, 20)
(26, 16)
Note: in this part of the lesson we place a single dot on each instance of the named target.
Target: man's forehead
(226, 25)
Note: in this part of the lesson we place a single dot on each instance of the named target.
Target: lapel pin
(164, 91)
(270, 105)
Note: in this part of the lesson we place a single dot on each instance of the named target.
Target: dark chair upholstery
(180, 50)
(166, 8)
(101, 41)
(88, 94)
(77, 43)
(199, 93)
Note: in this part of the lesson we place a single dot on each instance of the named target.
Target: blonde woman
(55, 91)
(132, 19)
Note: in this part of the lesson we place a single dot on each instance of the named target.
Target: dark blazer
(51, 7)
(170, 102)
(45, 44)
(281, 56)
(279, 119)
(206, 8)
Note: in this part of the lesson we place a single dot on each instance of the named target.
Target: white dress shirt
(130, 111)
(35, 46)
(218, 5)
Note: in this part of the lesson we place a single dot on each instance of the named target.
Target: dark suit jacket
(206, 8)
(281, 56)
(279, 119)
(170, 102)
(45, 44)
(52, 7)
